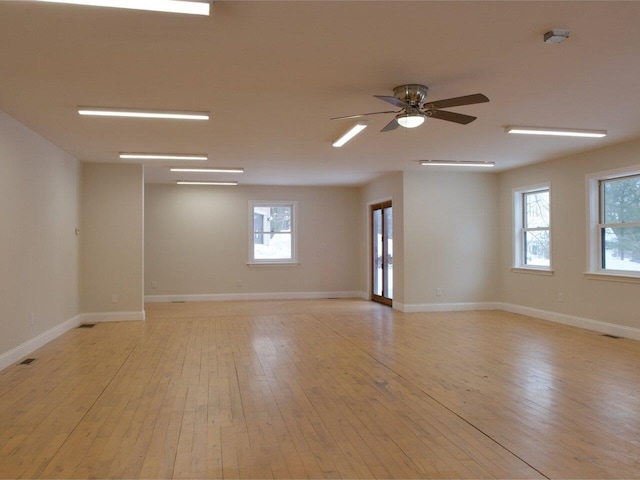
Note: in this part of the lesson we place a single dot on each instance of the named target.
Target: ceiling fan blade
(458, 101)
(393, 101)
(363, 115)
(392, 125)
(452, 117)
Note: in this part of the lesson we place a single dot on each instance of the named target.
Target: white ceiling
(273, 73)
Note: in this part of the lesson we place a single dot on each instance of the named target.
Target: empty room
(319, 239)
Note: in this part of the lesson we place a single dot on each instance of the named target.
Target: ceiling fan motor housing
(413, 94)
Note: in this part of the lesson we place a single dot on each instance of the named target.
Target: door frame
(381, 205)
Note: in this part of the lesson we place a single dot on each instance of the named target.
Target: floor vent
(179, 301)
(27, 361)
(87, 325)
(610, 336)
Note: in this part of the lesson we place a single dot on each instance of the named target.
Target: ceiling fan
(414, 108)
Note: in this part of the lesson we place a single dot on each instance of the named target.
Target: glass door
(382, 249)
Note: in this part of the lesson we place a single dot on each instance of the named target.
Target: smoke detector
(556, 35)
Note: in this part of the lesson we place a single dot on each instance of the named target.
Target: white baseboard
(581, 322)
(444, 307)
(97, 317)
(220, 297)
(574, 321)
(21, 351)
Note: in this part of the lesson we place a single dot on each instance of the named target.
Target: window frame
(519, 231)
(596, 227)
(294, 232)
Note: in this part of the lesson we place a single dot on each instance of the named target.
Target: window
(614, 227)
(272, 232)
(532, 242)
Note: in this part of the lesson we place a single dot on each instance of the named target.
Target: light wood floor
(323, 389)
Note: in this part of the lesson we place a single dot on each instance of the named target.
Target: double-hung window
(273, 232)
(614, 239)
(532, 220)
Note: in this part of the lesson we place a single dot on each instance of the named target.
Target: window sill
(612, 277)
(273, 264)
(534, 271)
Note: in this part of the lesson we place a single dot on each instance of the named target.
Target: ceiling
(273, 73)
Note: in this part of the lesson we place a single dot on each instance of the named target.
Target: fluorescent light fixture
(160, 156)
(169, 6)
(563, 132)
(208, 170)
(452, 163)
(182, 182)
(132, 113)
(410, 120)
(352, 132)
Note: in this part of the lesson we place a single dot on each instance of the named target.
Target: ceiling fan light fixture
(561, 132)
(453, 163)
(410, 120)
(352, 132)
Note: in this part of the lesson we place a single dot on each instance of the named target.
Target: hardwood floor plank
(474, 387)
(323, 389)
(64, 388)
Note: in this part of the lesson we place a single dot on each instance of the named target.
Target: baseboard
(97, 317)
(363, 295)
(21, 351)
(220, 297)
(444, 307)
(581, 322)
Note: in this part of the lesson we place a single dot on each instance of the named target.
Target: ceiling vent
(557, 35)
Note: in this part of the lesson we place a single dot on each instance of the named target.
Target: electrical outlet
(154, 284)
(438, 292)
(561, 297)
(239, 284)
(32, 320)
(114, 298)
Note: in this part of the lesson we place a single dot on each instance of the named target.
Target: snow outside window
(532, 242)
(272, 232)
(614, 239)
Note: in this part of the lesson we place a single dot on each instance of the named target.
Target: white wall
(599, 300)
(39, 250)
(450, 225)
(112, 242)
(197, 242)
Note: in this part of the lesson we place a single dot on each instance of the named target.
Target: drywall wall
(112, 242)
(582, 297)
(386, 187)
(197, 242)
(39, 249)
(450, 224)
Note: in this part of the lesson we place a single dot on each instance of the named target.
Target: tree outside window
(532, 241)
(620, 223)
(536, 228)
(272, 233)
